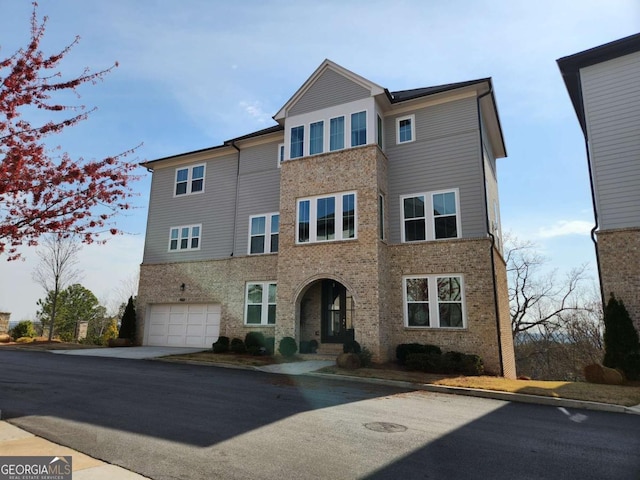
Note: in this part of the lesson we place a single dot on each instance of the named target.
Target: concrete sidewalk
(17, 442)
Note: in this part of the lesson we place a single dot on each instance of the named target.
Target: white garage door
(184, 325)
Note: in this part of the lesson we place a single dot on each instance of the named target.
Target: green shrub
(405, 349)
(128, 322)
(270, 345)
(351, 346)
(424, 362)
(621, 343)
(254, 339)
(365, 357)
(23, 329)
(221, 345)
(237, 346)
(457, 362)
(313, 344)
(288, 347)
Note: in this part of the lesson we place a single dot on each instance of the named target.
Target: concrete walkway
(17, 442)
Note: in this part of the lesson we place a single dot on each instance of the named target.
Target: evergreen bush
(621, 344)
(305, 346)
(270, 345)
(365, 357)
(255, 343)
(288, 347)
(405, 349)
(238, 346)
(128, 322)
(221, 345)
(23, 329)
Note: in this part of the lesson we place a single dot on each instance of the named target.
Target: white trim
(189, 238)
(281, 154)
(267, 232)
(313, 217)
(189, 181)
(264, 310)
(429, 217)
(412, 119)
(434, 310)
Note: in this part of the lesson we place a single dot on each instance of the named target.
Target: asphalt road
(173, 421)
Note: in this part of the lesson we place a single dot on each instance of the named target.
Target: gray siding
(330, 89)
(259, 158)
(611, 92)
(214, 209)
(446, 154)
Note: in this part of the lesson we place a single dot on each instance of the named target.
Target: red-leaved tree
(42, 190)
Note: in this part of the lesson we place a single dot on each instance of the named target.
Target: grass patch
(627, 395)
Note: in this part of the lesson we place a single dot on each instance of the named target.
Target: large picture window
(260, 303)
(189, 180)
(327, 218)
(434, 301)
(430, 216)
(264, 233)
(186, 237)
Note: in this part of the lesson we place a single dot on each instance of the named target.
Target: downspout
(235, 213)
(493, 238)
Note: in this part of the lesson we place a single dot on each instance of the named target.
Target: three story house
(362, 213)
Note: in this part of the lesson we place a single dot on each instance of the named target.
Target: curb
(493, 394)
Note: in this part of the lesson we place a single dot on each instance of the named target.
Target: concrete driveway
(139, 353)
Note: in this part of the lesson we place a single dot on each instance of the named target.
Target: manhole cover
(385, 427)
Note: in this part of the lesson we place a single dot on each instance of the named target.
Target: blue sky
(197, 72)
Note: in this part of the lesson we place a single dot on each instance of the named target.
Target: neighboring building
(604, 86)
(4, 322)
(363, 213)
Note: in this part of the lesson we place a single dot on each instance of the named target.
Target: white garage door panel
(183, 325)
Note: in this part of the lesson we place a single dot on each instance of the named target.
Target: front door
(334, 312)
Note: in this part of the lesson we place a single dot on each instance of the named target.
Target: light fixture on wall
(182, 287)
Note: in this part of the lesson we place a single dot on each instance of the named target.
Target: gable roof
(404, 95)
(571, 65)
(327, 64)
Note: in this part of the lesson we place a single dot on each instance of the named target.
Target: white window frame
(189, 180)
(313, 218)
(267, 232)
(430, 233)
(281, 154)
(366, 128)
(189, 238)
(291, 141)
(434, 302)
(412, 119)
(264, 304)
(344, 126)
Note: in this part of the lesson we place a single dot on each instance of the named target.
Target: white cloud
(566, 227)
(254, 109)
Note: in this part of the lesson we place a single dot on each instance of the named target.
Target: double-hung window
(316, 138)
(358, 129)
(406, 129)
(264, 233)
(435, 301)
(189, 180)
(430, 216)
(336, 133)
(297, 142)
(183, 238)
(327, 218)
(260, 303)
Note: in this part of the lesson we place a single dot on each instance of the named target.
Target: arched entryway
(327, 312)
